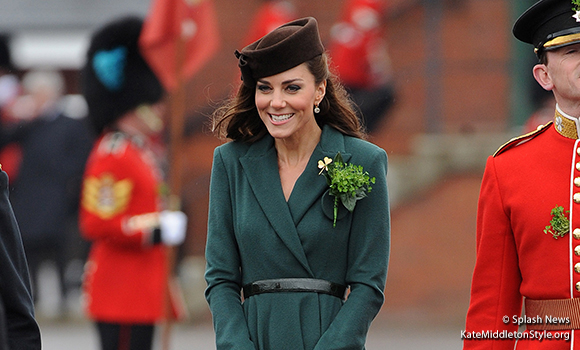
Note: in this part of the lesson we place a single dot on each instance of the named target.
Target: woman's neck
(293, 156)
(294, 151)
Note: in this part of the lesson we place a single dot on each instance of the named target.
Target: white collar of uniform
(566, 125)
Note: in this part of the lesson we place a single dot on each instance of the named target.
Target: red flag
(178, 38)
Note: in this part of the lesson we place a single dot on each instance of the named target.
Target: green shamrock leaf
(560, 224)
(348, 182)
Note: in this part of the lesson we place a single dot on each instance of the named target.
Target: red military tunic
(356, 39)
(125, 275)
(269, 16)
(516, 259)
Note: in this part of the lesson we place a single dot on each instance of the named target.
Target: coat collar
(310, 186)
(260, 165)
(566, 125)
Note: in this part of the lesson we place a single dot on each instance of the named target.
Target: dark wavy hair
(238, 118)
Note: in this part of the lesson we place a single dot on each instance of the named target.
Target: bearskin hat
(116, 78)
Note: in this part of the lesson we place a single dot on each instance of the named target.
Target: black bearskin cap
(116, 78)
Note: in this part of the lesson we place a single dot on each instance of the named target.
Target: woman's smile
(278, 119)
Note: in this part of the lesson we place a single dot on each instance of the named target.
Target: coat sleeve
(222, 274)
(368, 257)
(496, 278)
(21, 327)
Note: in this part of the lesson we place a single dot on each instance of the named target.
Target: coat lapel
(260, 165)
(310, 186)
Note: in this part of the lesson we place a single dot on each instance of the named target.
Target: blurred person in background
(123, 209)
(358, 52)
(18, 327)
(9, 83)
(10, 90)
(46, 192)
(275, 232)
(270, 15)
(528, 220)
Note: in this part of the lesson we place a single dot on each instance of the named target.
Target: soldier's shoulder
(516, 141)
(113, 143)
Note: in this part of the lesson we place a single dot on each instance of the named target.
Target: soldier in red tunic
(528, 222)
(122, 205)
(360, 58)
(270, 15)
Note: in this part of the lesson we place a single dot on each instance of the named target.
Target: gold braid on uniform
(565, 127)
(522, 139)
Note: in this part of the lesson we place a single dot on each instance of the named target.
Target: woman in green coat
(312, 271)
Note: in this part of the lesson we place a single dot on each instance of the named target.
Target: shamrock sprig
(348, 182)
(576, 9)
(560, 224)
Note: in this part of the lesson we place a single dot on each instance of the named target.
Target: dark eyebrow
(285, 82)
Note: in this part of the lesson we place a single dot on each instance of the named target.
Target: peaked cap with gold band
(549, 24)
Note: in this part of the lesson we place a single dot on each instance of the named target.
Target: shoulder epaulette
(516, 141)
(113, 143)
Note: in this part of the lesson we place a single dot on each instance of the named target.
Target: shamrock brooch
(559, 225)
(348, 182)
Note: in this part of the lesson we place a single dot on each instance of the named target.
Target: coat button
(578, 151)
(576, 233)
(577, 182)
(578, 286)
(577, 268)
(577, 250)
(577, 198)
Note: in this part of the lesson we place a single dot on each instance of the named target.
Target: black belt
(294, 285)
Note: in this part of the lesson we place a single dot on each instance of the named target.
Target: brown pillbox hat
(283, 48)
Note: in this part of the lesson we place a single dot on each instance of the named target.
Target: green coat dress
(255, 234)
